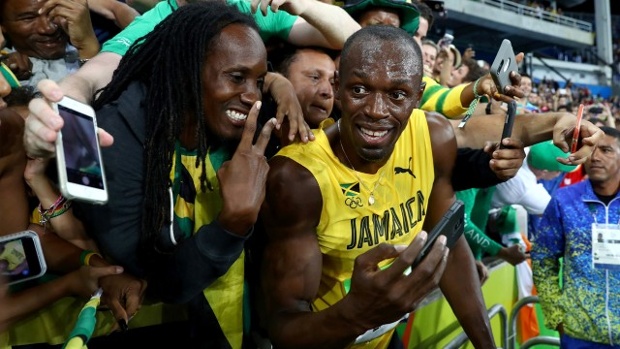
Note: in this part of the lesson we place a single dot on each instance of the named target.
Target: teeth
(236, 115)
(374, 133)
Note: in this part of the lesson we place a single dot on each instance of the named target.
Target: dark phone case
(451, 225)
(509, 122)
(502, 78)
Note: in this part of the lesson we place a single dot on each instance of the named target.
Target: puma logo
(399, 170)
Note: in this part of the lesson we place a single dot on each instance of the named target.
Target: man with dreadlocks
(185, 180)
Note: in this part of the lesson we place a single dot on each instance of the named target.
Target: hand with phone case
(387, 294)
(451, 226)
(504, 86)
(507, 160)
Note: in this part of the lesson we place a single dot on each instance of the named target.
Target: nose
(377, 107)
(326, 89)
(251, 94)
(45, 26)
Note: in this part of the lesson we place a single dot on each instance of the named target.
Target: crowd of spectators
(199, 96)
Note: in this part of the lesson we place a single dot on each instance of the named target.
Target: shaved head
(368, 44)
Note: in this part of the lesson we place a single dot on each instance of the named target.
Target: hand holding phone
(577, 129)
(509, 122)
(78, 156)
(21, 257)
(504, 63)
(451, 225)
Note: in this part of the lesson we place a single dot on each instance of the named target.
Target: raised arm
(459, 283)
(531, 129)
(319, 24)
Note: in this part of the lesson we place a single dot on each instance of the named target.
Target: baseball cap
(408, 12)
(543, 157)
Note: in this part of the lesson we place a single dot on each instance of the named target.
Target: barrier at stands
(497, 309)
(512, 334)
(542, 14)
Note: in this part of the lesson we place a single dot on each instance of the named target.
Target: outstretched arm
(459, 283)
(531, 129)
(320, 24)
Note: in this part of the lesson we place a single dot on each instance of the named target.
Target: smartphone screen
(79, 141)
(20, 259)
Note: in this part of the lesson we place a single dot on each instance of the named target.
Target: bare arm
(320, 24)
(14, 209)
(94, 75)
(460, 283)
(292, 264)
(531, 129)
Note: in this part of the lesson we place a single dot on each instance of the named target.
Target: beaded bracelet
(472, 105)
(86, 255)
(60, 206)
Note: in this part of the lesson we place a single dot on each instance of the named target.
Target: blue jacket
(588, 304)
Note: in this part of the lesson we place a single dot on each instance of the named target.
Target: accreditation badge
(606, 246)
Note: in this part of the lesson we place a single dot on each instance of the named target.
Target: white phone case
(78, 155)
(28, 234)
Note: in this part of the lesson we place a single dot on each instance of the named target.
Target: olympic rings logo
(354, 202)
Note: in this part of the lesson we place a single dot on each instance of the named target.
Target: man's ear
(420, 93)
(336, 85)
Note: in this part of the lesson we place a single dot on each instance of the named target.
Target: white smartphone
(21, 257)
(78, 156)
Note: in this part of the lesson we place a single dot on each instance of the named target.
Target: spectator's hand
(589, 136)
(19, 64)
(294, 7)
(43, 123)
(506, 162)
(122, 294)
(242, 179)
(379, 296)
(74, 18)
(283, 93)
(487, 86)
(483, 272)
(85, 281)
(513, 254)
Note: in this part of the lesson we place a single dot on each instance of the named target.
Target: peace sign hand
(242, 179)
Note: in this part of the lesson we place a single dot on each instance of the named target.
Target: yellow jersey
(349, 225)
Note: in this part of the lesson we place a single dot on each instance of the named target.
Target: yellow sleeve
(446, 101)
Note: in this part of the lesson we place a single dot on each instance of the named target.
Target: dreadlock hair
(170, 61)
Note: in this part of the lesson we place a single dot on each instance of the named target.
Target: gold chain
(371, 198)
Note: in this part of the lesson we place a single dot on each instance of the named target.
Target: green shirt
(277, 24)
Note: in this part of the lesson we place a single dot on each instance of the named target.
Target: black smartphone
(21, 257)
(504, 63)
(451, 225)
(509, 122)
